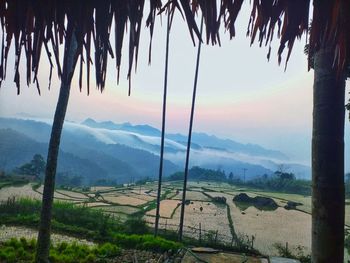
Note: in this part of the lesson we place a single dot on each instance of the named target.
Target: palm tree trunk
(328, 161)
(70, 58)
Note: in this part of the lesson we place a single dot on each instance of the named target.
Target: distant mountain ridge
(15, 154)
(125, 150)
(126, 126)
(112, 161)
(197, 138)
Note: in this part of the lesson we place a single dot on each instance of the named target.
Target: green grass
(23, 250)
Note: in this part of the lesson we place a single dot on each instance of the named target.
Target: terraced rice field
(24, 191)
(101, 188)
(212, 217)
(267, 227)
(147, 198)
(72, 195)
(124, 200)
(167, 208)
(64, 195)
(114, 193)
(270, 227)
(119, 209)
(192, 195)
(95, 204)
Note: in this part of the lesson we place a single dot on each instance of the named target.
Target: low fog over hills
(96, 150)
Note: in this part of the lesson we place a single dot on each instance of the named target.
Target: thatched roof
(33, 26)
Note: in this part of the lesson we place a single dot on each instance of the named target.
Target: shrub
(284, 251)
(135, 226)
(146, 242)
(108, 250)
(16, 250)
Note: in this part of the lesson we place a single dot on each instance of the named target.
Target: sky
(240, 94)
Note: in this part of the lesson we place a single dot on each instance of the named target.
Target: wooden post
(200, 233)
(216, 236)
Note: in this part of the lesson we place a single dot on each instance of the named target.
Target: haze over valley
(124, 152)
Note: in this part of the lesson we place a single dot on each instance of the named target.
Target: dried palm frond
(34, 25)
(331, 26)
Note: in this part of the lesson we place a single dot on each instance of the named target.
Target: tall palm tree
(34, 24)
(328, 198)
(70, 60)
(331, 42)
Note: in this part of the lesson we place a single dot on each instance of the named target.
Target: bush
(107, 250)
(145, 242)
(85, 222)
(284, 251)
(135, 226)
(67, 218)
(16, 250)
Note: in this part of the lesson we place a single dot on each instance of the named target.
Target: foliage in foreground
(16, 250)
(284, 251)
(347, 242)
(85, 222)
(145, 242)
(67, 217)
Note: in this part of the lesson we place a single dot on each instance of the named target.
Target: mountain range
(96, 150)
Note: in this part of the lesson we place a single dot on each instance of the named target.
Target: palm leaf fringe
(36, 26)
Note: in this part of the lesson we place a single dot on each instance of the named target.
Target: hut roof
(31, 26)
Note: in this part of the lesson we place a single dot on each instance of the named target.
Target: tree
(230, 177)
(347, 178)
(36, 167)
(285, 175)
(328, 205)
(70, 60)
(32, 26)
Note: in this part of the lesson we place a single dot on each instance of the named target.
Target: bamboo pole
(163, 126)
(190, 136)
